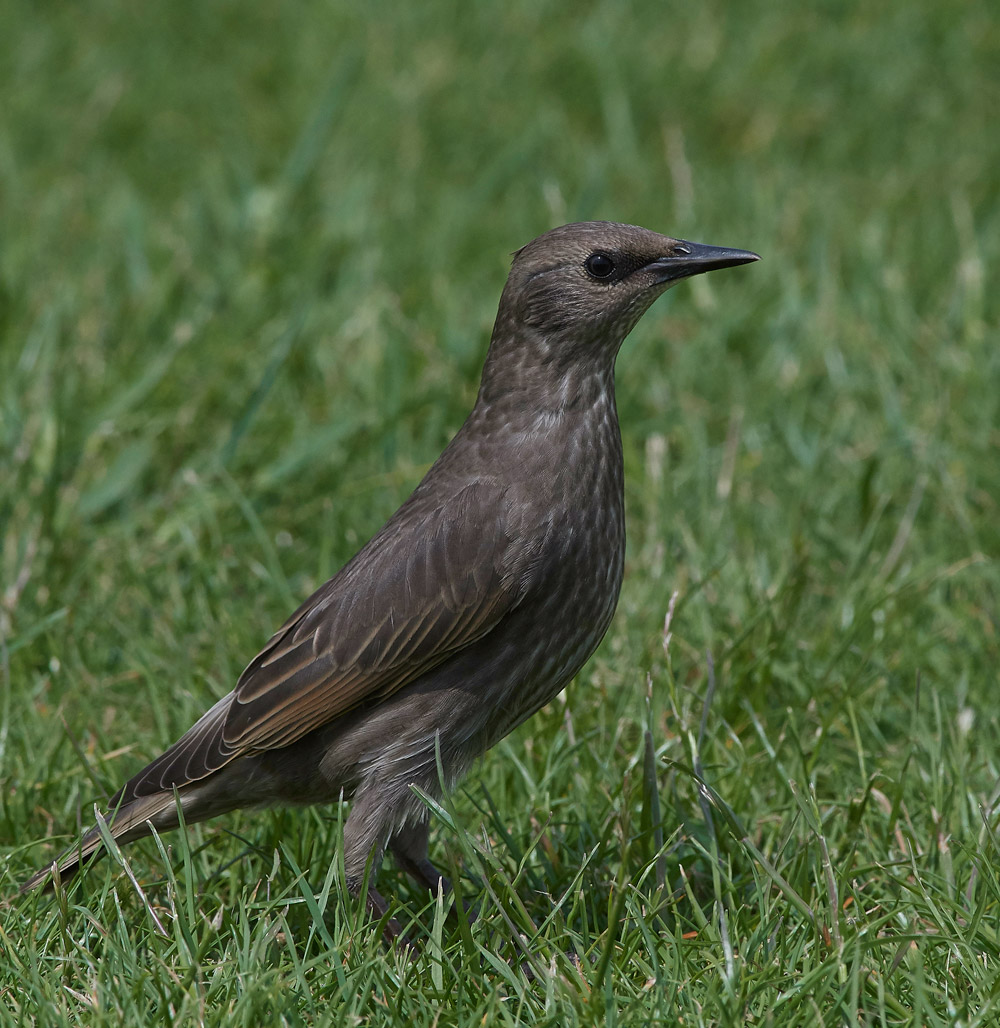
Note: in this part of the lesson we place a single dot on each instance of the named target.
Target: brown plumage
(476, 603)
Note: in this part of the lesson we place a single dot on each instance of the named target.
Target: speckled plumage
(476, 603)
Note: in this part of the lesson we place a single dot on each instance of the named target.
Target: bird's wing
(405, 603)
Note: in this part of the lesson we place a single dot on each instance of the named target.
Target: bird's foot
(392, 930)
(424, 873)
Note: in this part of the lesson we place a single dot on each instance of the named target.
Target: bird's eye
(599, 265)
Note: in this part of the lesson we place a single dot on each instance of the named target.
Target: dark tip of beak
(689, 259)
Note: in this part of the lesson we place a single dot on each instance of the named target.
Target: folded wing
(428, 585)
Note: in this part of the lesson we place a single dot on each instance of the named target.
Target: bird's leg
(364, 844)
(378, 908)
(409, 849)
(392, 931)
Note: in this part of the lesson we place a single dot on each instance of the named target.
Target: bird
(472, 608)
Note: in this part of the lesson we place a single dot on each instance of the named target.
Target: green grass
(249, 260)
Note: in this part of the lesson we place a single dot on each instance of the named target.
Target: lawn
(249, 261)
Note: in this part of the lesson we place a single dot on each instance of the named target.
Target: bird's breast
(578, 480)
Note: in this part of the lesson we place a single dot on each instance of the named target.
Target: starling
(478, 601)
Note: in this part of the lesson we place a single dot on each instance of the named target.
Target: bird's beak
(687, 259)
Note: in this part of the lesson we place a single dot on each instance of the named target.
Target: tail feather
(131, 821)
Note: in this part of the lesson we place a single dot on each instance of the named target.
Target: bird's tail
(131, 821)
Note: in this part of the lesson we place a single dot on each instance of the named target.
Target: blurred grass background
(249, 261)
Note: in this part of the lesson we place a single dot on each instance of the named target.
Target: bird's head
(587, 284)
